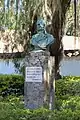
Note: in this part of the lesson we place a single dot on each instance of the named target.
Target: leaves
(67, 105)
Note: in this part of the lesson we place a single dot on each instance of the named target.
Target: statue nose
(41, 26)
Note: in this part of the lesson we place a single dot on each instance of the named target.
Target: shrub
(72, 102)
(8, 111)
(68, 93)
(69, 86)
(11, 84)
(67, 101)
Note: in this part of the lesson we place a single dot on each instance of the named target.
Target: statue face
(40, 25)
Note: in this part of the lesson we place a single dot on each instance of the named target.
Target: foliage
(19, 66)
(68, 93)
(23, 14)
(11, 84)
(67, 103)
(68, 86)
(12, 111)
(19, 14)
(13, 41)
(70, 20)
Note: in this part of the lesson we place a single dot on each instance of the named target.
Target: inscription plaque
(33, 74)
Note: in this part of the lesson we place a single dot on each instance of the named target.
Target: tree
(27, 12)
(58, 22)
(54, 11)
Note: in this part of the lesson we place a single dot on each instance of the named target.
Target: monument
(38, 69)
(42, 40)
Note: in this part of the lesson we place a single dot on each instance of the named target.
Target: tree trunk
(58, 21)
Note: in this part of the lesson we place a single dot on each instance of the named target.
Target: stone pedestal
(38, 74)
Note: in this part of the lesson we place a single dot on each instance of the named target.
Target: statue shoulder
(34, 39)
(50, 36)
(35, 36)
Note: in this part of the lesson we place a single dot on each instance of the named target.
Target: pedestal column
(38, 72)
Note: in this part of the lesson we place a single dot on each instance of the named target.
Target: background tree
(22, 15)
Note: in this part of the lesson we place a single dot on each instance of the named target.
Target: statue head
(41, 25)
